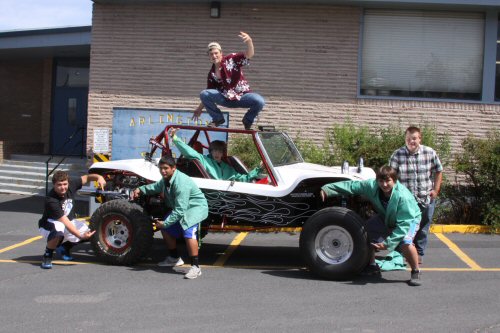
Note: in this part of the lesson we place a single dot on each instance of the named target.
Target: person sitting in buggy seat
(213, 163)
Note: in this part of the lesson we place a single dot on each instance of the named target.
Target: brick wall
(7, 148)
(46, 104)
(21, 105)
(305, 66)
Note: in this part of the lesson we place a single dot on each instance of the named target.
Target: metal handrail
(47, 173)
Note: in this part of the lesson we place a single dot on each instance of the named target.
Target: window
(427, 54)
(72, 74)
(280, 149)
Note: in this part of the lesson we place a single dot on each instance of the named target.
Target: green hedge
(476, 199)
(350, 142)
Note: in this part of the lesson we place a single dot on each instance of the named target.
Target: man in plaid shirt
(420, 170)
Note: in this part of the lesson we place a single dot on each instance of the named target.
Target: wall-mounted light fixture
(215, 9)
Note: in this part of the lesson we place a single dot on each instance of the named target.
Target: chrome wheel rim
(116, 231)
(334, 245)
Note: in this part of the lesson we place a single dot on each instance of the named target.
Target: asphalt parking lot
(251, 282)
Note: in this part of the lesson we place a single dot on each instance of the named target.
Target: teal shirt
(189, 205)
(221, 171)
(402, 210)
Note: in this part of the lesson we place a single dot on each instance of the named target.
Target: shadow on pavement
(299, 273)
(306, 275)
(22, 204)
(364, 280)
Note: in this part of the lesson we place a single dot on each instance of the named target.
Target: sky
(40, 14)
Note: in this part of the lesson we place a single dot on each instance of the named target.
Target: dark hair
(413, 129)
(60, 176)
(217, 145)
(168, 160)
(386, 172)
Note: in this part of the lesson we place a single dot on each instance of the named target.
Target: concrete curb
(463, 229)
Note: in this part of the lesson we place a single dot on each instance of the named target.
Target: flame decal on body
(258, 209)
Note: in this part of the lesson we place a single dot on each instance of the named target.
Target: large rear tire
(334, 243)
(124, 233)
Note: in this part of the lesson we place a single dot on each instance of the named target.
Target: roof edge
(45, 31)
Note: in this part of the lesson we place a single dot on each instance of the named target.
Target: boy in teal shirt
(189, 208)
(213, 163)
(397, 220)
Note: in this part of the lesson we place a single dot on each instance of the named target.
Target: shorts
(56, 228)
(378, 231)
(176, 231)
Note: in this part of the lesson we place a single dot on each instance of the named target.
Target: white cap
(214, 45)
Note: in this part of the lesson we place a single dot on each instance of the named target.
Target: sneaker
(193, 273)
(171, 262)
(64, 254)
(415, 279)
(247, 125)
(46, 262)
(371, 270)
(216, 123)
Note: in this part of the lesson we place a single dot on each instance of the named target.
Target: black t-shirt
(56, 206)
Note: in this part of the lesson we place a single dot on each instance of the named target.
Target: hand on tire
(379, 246)
(87, 234)
(159, 224)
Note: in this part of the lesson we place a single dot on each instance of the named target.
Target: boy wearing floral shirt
(227, 86)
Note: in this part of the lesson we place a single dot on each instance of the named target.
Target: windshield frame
(293, 157)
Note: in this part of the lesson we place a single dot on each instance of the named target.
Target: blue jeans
(212, 97)
(420, 240)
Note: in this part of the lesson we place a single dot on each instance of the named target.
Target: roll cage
(162, 142)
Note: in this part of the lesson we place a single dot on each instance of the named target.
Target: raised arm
(94, 177)
(185, 149)
(249, 53)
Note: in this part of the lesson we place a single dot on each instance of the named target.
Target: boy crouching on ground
(189, 208)
(397, 220)
(57, 224)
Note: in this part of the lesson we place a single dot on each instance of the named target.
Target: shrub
(455, 205)
(349, 142)
(480, 164)
(313, 153)
(243, 147)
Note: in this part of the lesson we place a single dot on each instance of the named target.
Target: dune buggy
(333, 240)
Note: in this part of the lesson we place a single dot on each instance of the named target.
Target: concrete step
(37, 180)
(38, 169)
(13, 173)
(25, 174)
(22, 189)
(42, 165)
(44, 158)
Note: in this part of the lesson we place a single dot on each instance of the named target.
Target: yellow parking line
(56, 262)
(437, 269)
(5, 249)
(460, 254)
(270, 267)
(230, 249)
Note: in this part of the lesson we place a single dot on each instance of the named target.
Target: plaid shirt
(416, 171)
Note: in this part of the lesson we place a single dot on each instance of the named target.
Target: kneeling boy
(57, 224)
(397, 220)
